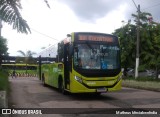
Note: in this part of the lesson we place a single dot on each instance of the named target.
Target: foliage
(148, 85)
(26, 58)
(143, 79)
(10, 13)
(3, 48)
(3, 80)
(127, 38)
(149, 43)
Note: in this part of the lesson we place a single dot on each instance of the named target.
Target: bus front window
(96, 56)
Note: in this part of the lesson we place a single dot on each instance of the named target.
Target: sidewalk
(3, 99)
(3, 102)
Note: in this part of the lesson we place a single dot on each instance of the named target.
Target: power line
(0, 27)
(135, 4)
(44, 34)
(152, 6)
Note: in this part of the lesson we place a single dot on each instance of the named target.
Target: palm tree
(26, 58)
(9, 13)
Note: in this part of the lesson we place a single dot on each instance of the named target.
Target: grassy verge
(142, 83)
(4, 83)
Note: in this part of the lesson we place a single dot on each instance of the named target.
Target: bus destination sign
(95, 38)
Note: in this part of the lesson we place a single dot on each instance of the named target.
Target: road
(29, 93)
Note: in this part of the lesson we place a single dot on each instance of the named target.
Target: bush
(143, 79)
(148, 85)
(4, 83)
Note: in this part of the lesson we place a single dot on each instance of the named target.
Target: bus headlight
(78, 79)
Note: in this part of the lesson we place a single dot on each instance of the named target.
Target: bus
(21, 69)
(87, 62)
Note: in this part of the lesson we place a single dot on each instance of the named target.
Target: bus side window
(60, 66)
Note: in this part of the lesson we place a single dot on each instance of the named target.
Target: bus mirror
(68, 35)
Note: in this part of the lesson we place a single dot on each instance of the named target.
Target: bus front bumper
(90, 87)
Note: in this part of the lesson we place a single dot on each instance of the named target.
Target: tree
(127, 38)
(145, 41)
(26, 58)
(149, 43)
(151, 53)
(9, 13)
(3, 48)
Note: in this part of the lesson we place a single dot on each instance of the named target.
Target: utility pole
(137, 44)
(1, 56)
(0, 27)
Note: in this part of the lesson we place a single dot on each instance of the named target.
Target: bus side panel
(45, 71)
(49, 75)
(53, 75)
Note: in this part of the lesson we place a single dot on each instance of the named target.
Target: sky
(51, 25)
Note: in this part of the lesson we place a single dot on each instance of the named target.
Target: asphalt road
(30, 93)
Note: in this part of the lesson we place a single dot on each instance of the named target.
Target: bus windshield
(96, 56)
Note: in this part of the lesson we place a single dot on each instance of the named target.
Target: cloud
(151, 7)
(91, 10)
(67, 16)
(145, 6)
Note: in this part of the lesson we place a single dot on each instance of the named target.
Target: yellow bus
(21, 69)
(87, 62)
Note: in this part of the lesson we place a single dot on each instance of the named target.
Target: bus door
(67, 65)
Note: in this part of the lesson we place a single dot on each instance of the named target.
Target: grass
(146, 83)
(4, 83)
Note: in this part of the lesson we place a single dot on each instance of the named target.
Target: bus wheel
(61, 87)
(97, 94)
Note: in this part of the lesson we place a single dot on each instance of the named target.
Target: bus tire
(97, 94)
(43, 80)
(61, 86)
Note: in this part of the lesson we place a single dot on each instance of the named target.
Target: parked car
(144, 73)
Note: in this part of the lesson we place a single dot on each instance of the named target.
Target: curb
(3, 102)
(3, 99)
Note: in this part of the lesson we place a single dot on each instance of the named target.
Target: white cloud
(56, 23)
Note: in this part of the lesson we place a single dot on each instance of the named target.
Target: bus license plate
(101, 90)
